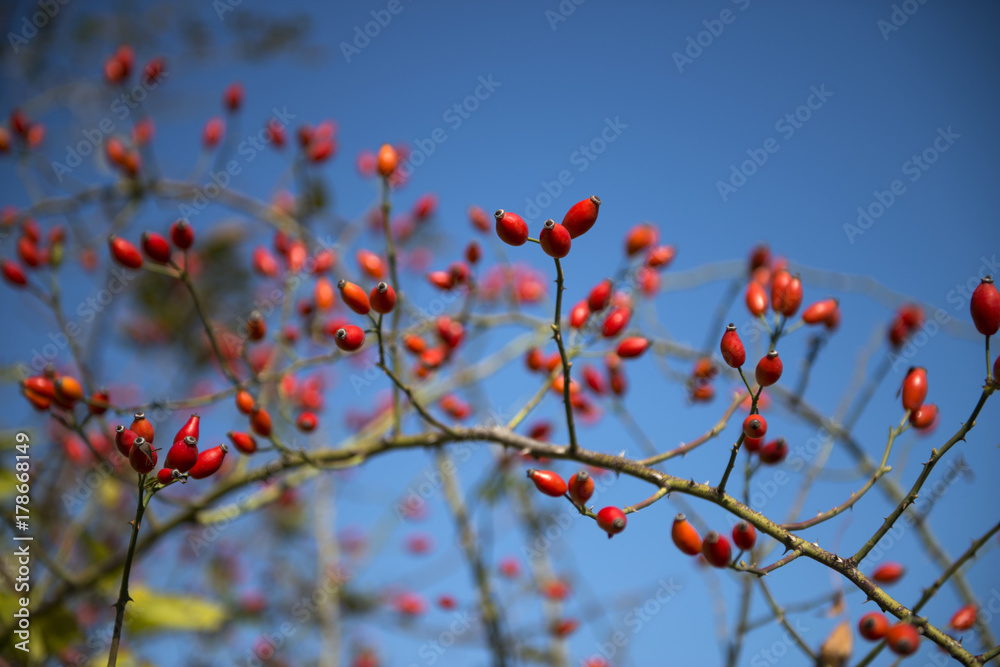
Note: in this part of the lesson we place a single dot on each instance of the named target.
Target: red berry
(190, 428)
(555, 239)
(479, 218)
(350, 338)
(382, 298)
(581, 216)
(124, 439)
(632, 347)
(888, 573)
(260, 421)
(914, 388)
(511, 228)
(903, 639)
(744, 536)
(167, 475)
(13, 273)
(212, 134)
(182, 234)
(124, 252)
(640, 237)
(264, 262)
(716, 549)
(594, 379)
(450, 331)
(752, 444)
(924, 417)
(873, 626)
(244, 442)
(660, 256)
(756, 298)
(142, 456)
(306, 422)
(774, 451)
(732, 348)
(232, 97)
(755, 426)
(142, 426)
(616, 320)
(183, 454)
(156, 247)
(964, 618)
(985, 307)
(548, 482)
(354, 297)
(581, 487)
(387, 161)
(244, 401)
(600, 296)
(579, 314)
(67, 390)
(473, 252)
(769, 369)
(371, 264)
(97, 404)
(820, 312)
(441, 279)
(685, 537)
(611, 520)
(27, 250)
(786, 293)
(209, 462)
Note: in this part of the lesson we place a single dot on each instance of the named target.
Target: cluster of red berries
(555, 238)
(52, 390)
(154, 246)
(25, 131)
(183, 458)
(715, 547)
(32, 252)
(579, 490)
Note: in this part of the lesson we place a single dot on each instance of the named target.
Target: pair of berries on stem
(901, 638)
(579, 489)
(769, 368)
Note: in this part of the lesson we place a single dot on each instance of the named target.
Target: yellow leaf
(837, 649)
(160, 612)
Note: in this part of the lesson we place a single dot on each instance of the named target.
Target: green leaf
(151, 611)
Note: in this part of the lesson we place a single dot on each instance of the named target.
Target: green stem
(123, 596)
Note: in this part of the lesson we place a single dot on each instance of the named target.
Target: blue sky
(726, 123)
